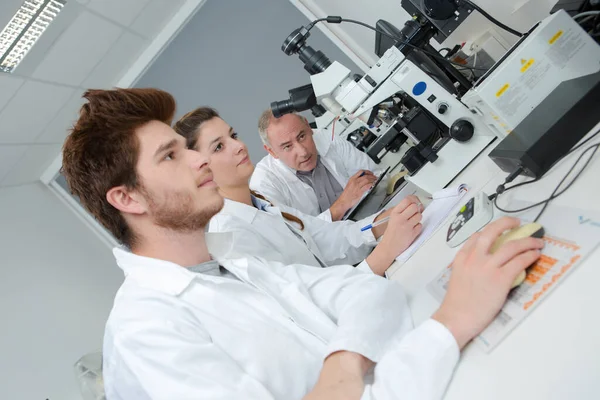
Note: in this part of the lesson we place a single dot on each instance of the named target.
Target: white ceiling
(91, 44)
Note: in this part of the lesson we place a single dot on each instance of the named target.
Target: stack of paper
(442, 204)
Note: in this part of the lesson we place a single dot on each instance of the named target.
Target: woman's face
(229, 160)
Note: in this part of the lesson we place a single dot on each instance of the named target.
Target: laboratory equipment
(405, 110)
(473, 216)
(415, 108)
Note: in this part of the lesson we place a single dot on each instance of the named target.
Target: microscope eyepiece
(301, 99)
(282, 107)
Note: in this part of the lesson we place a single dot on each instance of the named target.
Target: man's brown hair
(102, 150)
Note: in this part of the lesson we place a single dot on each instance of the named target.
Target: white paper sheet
(436, 212)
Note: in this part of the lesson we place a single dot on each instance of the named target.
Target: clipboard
(351, 212)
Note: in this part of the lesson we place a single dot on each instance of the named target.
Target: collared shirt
(213, 268)
(326, 187)
(177, 334)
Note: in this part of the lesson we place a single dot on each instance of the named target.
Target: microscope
(406, 109)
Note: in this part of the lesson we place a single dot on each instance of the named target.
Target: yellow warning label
(527, 65)
(555, 37)
(501, 91)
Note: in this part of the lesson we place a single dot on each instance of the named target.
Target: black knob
(442, 108)
(462, 130)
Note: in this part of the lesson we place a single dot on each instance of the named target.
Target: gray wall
(229, 57)
(57, 288)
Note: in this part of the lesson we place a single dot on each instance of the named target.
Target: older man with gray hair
(309, 171)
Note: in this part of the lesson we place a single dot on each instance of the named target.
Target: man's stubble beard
(178, 212)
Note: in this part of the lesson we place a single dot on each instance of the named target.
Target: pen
(384, 220)
(371, 226)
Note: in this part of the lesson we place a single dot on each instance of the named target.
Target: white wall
(233, 61)
(56, 290)
(359, 39)
(518, 14)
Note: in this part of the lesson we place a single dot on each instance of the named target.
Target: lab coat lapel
(310, 244)
(300, 191)
(290, 296)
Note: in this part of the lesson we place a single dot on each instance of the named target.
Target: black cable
(511, 177)
(397, 40)
(502, 189)
(434, 75)
(580, 145)
(313, 23)
(591, 24)
(596, 23)
(492, 19)
(557, 192)
(514, 187)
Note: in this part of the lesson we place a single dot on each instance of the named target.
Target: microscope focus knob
(442, 108)
(462, 130)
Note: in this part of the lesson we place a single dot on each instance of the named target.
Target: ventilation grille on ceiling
(24, 29)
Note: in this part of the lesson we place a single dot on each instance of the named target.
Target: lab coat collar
(166, 276)
(240, 210)
(291, 172)
(322, 141)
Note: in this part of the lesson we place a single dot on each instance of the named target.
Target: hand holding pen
(412, 199)
(403, 227)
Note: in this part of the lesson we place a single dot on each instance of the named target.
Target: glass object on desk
(88, 370)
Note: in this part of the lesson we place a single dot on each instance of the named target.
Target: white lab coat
(178, 335)
(279, 183)
(265, 233)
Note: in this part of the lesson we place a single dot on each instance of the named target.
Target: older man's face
(291, 141)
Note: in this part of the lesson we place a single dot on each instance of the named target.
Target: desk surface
(555, 352)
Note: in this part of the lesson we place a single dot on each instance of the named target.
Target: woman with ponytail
(265, 230)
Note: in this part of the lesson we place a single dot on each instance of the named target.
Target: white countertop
(555, 352)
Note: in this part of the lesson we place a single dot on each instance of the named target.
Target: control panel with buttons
(473, 216)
